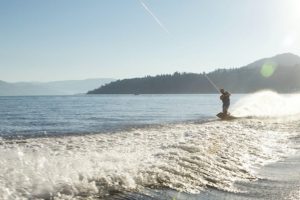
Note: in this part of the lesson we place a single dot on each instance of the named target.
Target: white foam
(185, 157)
(268, 104)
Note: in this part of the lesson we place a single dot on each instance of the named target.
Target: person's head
(222, 91)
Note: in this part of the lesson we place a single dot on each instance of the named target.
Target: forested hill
(280, 73)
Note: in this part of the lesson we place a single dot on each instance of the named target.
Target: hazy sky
(76, 39)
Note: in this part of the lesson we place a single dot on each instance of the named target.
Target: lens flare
(268, 69)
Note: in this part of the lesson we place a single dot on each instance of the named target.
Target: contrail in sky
(154, 17)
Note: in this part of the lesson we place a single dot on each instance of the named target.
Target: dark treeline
(240, 80)
(178, 83)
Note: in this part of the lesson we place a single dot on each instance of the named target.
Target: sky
(80, 39)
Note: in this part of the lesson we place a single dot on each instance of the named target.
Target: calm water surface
(39, 115)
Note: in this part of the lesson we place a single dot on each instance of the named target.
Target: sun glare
(291, 23)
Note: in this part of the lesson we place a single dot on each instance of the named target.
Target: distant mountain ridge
(285, 59)
(69, 87)
(279, 73)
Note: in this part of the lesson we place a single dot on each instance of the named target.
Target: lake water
(149, 147)
(40, 115)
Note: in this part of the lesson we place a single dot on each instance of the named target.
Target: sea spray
(268, 104)
(186, 157)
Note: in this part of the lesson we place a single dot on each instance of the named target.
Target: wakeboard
(223, 116)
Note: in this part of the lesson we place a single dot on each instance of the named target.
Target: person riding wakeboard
(225, 97)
